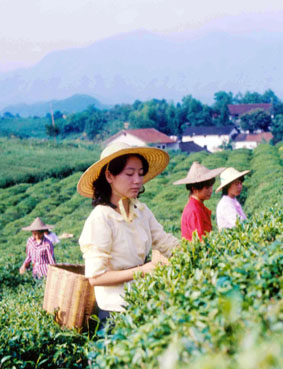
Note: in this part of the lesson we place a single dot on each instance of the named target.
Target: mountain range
(73, 104)
(144, 65)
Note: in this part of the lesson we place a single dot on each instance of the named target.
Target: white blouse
(227, 211)
(109, 242)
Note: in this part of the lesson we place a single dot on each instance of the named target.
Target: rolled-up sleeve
(161, 240)
(95, 243)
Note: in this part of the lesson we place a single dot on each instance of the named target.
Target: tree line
(169, 117)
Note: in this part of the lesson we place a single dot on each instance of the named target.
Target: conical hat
(38, 225)
(199, 173)
(228, 176)
(157, 161)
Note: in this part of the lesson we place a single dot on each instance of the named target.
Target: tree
(75, 123)
(52, 130)
(57, 115)
(156, 114)
(277, 128)
(220, 107)
(252, 98)
(193, 112)
(8, 115)
(95, 123)
(255, 119)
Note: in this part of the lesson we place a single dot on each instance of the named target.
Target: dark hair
(199, 185)
(102, 189)
(226, 188)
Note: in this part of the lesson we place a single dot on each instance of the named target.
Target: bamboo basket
(69, 295)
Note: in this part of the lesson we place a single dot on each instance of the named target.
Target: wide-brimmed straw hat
(38, 225)
(229, 175)
(157, 161)
(199, 173)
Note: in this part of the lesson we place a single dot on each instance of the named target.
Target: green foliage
(194, 112)
(217, 304)
(97, 122)
(23, 127)
(222, 99)
(29, 338)
(52, 130)
(33, 160)
(213, 299)
(277, 128)
(254, 120)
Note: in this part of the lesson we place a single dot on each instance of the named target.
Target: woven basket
(69, 295)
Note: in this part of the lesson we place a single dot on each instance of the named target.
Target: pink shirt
(195, 217)
(227, 211)
(40, 255)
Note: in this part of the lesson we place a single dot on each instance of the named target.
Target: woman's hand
(157, 257)
(147, 267)
(22, 269)
(114, 277)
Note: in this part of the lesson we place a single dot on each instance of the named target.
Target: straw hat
(38, 225)
(157, 161)
(228, 176)
(199, 173)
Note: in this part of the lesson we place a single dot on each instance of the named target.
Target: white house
(144, 137)
(210, 137)
(250, 141)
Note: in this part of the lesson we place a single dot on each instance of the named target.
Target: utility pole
(52, 116)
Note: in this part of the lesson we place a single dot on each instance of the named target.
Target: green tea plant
(31, 160)
(212, 297)
(217, 305)
(29, 337)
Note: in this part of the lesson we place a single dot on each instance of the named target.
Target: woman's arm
(27, 260)
(162, 241)
(114, 277)
(50, 254)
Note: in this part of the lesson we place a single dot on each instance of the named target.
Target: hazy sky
(29, 29)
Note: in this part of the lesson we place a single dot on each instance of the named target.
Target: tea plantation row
(214, 306)
(188, 305)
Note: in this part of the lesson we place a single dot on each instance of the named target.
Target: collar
(134, 203)
(135, 206)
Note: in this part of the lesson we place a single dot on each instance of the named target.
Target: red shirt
(195, 216)
(40, 255)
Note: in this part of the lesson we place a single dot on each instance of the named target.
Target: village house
(144, 137)
(210, 138)
(236, 110)
(190, 147)
(250, 141)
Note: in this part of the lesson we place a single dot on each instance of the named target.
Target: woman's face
(204, 193)
(128, 182)
(38, 235)
(235, 188)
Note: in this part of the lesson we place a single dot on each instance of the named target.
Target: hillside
(73, 104)
(143, 65)
(234, 275)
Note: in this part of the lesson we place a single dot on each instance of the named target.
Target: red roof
(239, 109)
(254, 137)
(259, 137)
(148, 135)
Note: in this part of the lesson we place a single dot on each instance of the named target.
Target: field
(219, 304)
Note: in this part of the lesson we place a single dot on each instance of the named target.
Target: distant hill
(73, 104)
(144, 65)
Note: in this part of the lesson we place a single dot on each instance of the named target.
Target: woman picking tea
(196, 216)
(39, 250)
(229, 209)
(120, 231)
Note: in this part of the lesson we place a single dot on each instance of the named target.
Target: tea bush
(205, 304)
(30, 160)
(217, 305)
